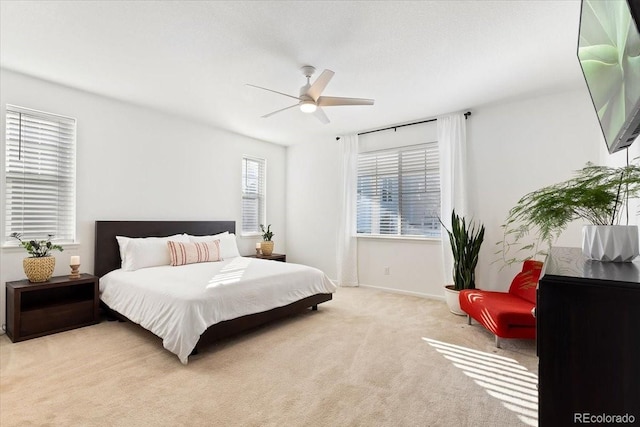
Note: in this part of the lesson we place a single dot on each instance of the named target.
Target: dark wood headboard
(107, 252)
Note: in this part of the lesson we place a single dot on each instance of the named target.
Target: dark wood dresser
(59, 304)
(588, 340)
(273, 257)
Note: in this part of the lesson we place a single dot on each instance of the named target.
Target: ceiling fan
(310, 100)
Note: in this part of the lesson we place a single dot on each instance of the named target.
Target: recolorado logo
(587, 418)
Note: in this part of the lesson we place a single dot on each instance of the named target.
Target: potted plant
(596, 194)
(40, 265)
(465, 240)
(267, 245)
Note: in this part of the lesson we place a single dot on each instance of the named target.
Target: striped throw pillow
(189, 253)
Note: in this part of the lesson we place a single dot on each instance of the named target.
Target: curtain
(347, 250)
(452, 142)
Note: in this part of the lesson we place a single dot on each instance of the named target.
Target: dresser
(588, 340)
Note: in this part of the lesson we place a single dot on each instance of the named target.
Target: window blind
(39, 174)
(253, 194)
(399, 191)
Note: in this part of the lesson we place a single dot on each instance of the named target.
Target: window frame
(261, 196)
(68, 210)
(429, 147)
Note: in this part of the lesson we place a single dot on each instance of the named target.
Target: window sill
(386, 237)
(250, 235)
(15, 248)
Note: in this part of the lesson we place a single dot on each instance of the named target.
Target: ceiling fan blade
(321, 82)
(286, 108)
(331, 101)
(274, 91)
(320, 115)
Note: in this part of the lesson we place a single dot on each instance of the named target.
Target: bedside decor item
(465, 240)
(40, 265)
(266, 247)
(258, 248)
(596, 194)
(74, 263)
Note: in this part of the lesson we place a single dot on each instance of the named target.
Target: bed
(192, 305)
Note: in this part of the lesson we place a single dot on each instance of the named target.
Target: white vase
(610, 243)
(452, 298)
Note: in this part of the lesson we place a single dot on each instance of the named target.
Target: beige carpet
(367, 358)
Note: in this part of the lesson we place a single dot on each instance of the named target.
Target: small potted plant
(465, 240)
(597, 195)
(266, 247)
(40, 265)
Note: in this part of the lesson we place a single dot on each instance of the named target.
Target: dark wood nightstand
(59, 304)
(273, 257)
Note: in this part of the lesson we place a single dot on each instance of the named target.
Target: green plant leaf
(595, 194)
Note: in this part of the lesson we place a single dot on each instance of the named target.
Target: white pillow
(206, 238)
(228, 244)
(137, 253)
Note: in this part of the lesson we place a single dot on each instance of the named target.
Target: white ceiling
(417, 59)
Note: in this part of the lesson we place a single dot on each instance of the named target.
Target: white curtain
(347, 250)
(452, 142)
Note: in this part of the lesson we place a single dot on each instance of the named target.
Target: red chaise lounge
(506, 314)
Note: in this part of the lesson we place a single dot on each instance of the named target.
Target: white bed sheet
(179, 303)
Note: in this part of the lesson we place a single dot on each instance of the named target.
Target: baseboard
(403, 292)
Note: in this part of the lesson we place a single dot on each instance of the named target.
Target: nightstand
(273, 257)
(59, 304)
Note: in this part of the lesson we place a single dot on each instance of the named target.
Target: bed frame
(107, 258)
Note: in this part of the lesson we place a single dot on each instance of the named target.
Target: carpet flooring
(366, 358)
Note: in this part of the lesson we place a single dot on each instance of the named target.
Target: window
(40, 175)
(253, 194)
(399, 191)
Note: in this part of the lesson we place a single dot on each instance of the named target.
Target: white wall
(138, 164)
(620, 159)
(312, 190)
(518, 147)
(513, 148)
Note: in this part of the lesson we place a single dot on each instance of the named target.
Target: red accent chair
(506, 314)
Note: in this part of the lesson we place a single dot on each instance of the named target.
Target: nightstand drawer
(56, 318)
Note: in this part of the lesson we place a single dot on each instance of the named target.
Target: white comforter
(179, 303)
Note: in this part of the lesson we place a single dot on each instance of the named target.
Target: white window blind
(39, 175)
(399, 191)
(253, 194)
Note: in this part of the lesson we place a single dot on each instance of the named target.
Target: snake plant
(466, 239)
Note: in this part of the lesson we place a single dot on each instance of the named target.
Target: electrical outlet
(387, 271)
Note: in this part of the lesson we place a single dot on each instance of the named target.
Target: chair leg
(497, 341)
(468, 319)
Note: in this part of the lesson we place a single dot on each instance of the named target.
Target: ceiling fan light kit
(310, 101)
(308, 106)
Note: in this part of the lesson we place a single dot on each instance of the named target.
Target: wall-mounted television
(609, 55)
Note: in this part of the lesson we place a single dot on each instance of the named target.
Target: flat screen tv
(609, 55)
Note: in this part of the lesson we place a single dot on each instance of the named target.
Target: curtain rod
(466, 116)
